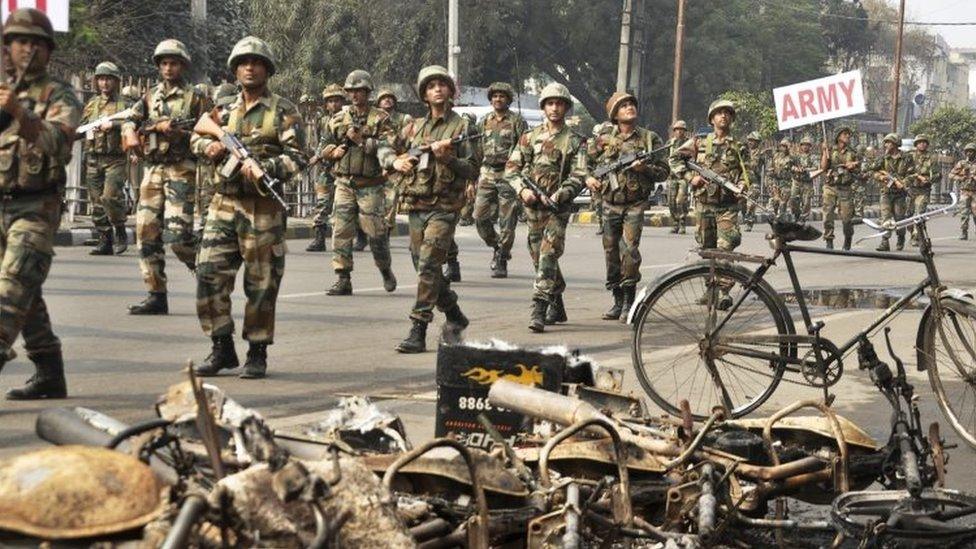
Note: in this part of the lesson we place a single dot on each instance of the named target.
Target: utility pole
(635, 82)
(896, 85)
(453, 48)
(623, 62)
(198, 18)
(679, 43)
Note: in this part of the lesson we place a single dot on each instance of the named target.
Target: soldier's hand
(354, 135)
(850, 165)
(8, 100)
(164, 126)
(404, 164)
(443, 150)
(528, 196)
(638, 166)
(470, 191)
(105, 126)
(215, 150)
(251, 171)
(697, 181)
(593, 184)
(338, 152)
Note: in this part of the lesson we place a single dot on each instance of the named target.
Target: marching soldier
(801, 193)
(387, 100)
(105, 163)
(925, 173)
(841, 165)
(325, 183)
(351, 141)
(551, 157)
(432, 190)
(781, 172)
(495, 198)
(677, 187)
(166, 195)
(625, 197)
(756, 165)
(859, 190)
(452, 268)
(964, 175)
(223, 96)
(35, 148)
(891, 173)
(245, 224)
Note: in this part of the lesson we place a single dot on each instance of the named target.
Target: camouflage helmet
(431, 72)
(28, 22)
(970, 147)
(679, 125)
(171, 47)
(841, 129)
(785, 142)
(387, 92)
(718, 105)
(893, 138)
(224, 94)
(333, 90)
(503, 87)
(615, 101)
(108, 68)
(806, 140)
(254, 47)
(358, 80)
(919, 138)
(555, 90)
(754, 136)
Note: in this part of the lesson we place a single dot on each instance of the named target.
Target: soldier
(781, 179)
(841, 165)
(495, 198)
(432, 190)
(756, 166)
(625, 197)
(351, 141)
(35, 148)
(891, 172)
(325, 183)
(130, 94)
(166, 195)
(387, 100)
(223, 96)
(717, 207)
(807, 164)
(964, 174)
(245, 224)
(859, 193)
(677, 187)
(553, 158)
(925, 173)
(105, 163)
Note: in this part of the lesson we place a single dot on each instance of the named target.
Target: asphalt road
(325, 346)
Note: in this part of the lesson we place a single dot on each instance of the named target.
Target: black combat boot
(121, 243)
(454, 327)
(674, 227)
(830, 243)
(499, 265)
(629, 293)
(884, 246)
(222, 357)
(318, 241)
(613, 313)
(847, 241)
(361, 241)
(104, 246)
(965, 234)
(681, 228)
(155, 304)
(416, 341)
(48, 380)
(342, 286)
(256, 365)
(389, 279)
(900, 242)
(556, 313)
(537, 321)
(452, 270)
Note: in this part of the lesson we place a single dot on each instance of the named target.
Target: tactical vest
(358, 161)
(896, 167)
(108, 142)
(437, 179)
(24, 168)
(839, 176)
(724, 159)
(158, 147)
(551, 157)
(499, 139)
(262, 142)
(630, 186)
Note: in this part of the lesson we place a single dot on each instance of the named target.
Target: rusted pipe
(431, 529)
(834, 427)
(696, 443)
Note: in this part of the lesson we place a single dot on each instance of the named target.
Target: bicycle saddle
(789, 231)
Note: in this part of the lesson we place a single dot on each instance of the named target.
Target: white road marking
(355, 291)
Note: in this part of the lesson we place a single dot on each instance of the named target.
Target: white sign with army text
(56, 10)
(818, 100)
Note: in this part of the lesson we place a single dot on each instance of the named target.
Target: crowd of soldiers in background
(215, 162)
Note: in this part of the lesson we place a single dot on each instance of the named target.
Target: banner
(56, 10)
(818, 100)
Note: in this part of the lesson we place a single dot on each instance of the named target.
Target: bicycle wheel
(936, 517)
(674, 361)
(948, 354)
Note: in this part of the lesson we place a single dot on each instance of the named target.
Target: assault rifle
(174, 123)
(624, 162)
(423, 152)
(716, 177)
(891, 182)
(240, 156)
(540, 195)
(86, 129)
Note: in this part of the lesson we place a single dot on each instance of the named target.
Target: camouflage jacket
(34, 155)
(553, 160)
(925, 170)
(804, 164)
(755, 163)
(440, 185)
(726, 157)
(781, 168)
(626, 186)
(837, 174)
(501, 134)
(108, 142)
(897, 166)
(182, 102)
(272, 131)
(964, 175)
(359, 161)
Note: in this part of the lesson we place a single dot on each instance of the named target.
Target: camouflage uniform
(223, 96)
(677, 188)
(837, 194)
(925, 173)
(964, 175)
(801, 194)
(893, 199)
(859, 189)
(781, 180)
(495, 199)
(167, 192)
(398, 121)
(324, 180)
(34, 152)
(105, 169)
(756, 165)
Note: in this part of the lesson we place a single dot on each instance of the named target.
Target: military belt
(360, 182)
(14, 194)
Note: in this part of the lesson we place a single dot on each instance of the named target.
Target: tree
(948, 127)
(754, 112)
(847, 32)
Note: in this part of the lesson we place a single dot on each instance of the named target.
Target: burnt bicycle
(717, 334)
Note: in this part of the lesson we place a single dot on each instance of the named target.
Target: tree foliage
(948, 127)
(754, 112)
